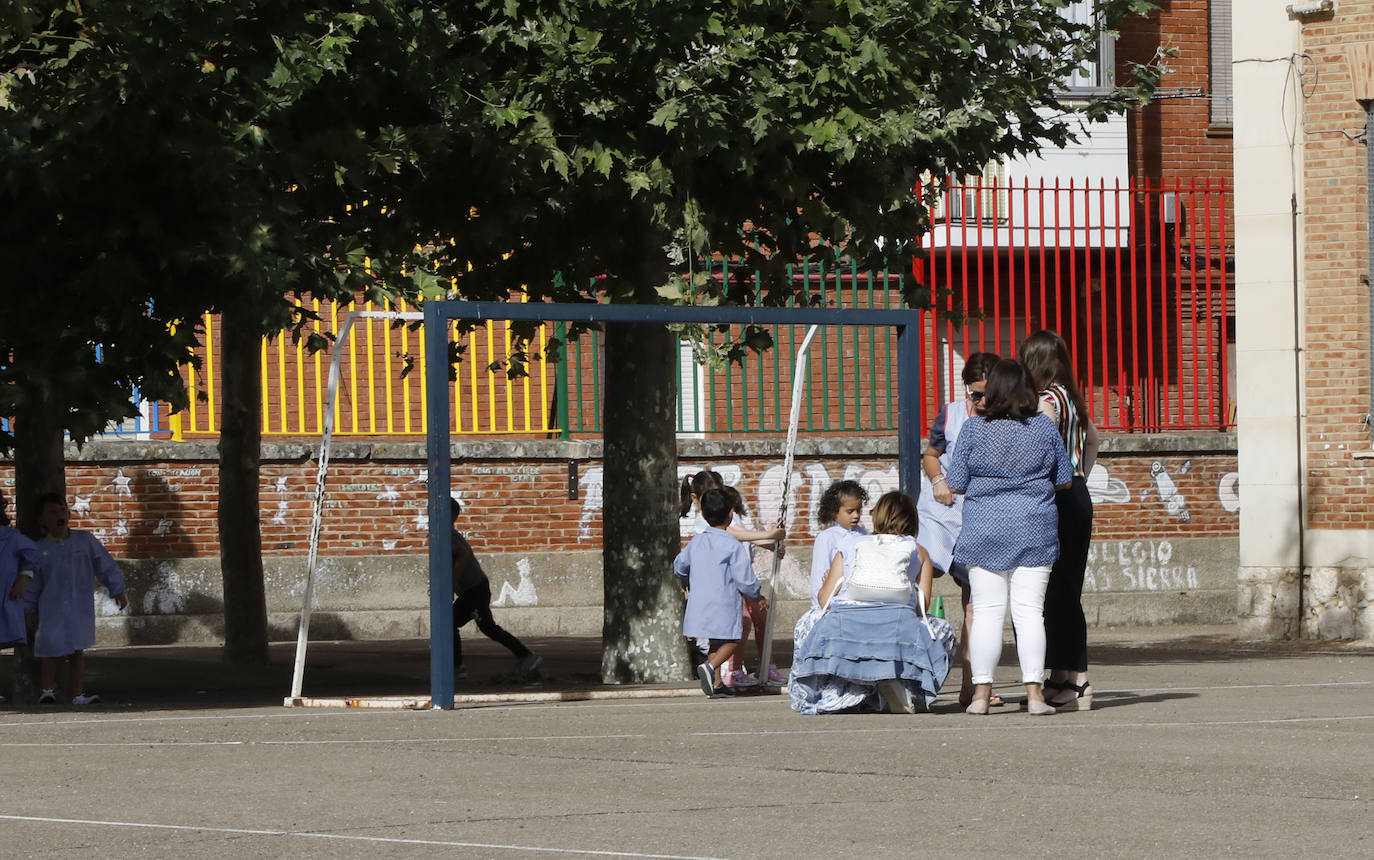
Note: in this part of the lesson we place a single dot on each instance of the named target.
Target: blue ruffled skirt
(842, 654)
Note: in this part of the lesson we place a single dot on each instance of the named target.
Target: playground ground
(1200, 745)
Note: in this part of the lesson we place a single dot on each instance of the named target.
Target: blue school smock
(832, 539)
(62, 592)
(718, 573)
(17, 555)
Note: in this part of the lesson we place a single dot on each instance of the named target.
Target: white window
(1097, 75)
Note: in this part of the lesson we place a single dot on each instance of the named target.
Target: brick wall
(1172, 136)
(1335, 263)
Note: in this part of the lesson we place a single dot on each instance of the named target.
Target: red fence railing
(1136, 278)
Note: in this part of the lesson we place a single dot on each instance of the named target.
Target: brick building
(1307, 528)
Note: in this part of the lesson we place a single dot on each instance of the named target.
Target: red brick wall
(167, 509)
(1171, 137)
(1335, 260)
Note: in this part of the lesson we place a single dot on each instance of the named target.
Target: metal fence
(1136, 279)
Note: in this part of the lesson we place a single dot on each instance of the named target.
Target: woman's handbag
(880, 569)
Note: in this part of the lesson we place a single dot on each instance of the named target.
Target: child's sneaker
(47, 697)
(530, 663)
(84, 699)
(740, 678)
(776, 677)
(705, 676)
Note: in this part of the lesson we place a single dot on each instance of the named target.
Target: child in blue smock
(841, 506)
(59, 602)
(717, 572)
(18, 557)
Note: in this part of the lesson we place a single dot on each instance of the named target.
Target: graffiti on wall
(1137, 565)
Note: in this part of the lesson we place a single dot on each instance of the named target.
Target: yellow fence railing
(381, 385)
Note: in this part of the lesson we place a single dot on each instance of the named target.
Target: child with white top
(873, 645)
(718, 575)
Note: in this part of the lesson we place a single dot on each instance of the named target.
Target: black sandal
(1081, 701)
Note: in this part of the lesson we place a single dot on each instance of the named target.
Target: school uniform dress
(856, 644)
(718, 574)
(62, 592)
(940, 524)
(832, 540)
(18, 555)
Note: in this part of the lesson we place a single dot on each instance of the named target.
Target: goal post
(437, 318)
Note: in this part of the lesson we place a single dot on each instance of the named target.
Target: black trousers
(475, 605)
(1066, 630)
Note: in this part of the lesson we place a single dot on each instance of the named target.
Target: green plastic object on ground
(937, 606)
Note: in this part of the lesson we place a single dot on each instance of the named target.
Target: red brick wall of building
(1335, 264)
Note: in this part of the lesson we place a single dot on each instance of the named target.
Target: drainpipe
(1297, 413)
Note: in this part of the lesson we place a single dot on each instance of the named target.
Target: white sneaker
(530, 663)
(84, 699)
(47, 697)
(741, 678)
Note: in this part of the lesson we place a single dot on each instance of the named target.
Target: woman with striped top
(1046, 356)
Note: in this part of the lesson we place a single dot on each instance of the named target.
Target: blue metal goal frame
(438, 315)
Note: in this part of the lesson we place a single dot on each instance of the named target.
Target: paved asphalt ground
(1201, 746)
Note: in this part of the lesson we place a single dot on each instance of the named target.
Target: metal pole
(440, 524)
(908, 396)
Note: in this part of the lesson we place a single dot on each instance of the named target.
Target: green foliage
(766, 130)
(162, 159)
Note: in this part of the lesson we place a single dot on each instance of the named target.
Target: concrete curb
(422, 703)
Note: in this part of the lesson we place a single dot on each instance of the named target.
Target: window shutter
(1219, 59)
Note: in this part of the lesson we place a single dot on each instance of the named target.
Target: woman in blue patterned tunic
(1007, 464)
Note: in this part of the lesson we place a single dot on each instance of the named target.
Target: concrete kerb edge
(422, 703)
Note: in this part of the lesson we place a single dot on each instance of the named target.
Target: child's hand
(122, 600)
(778, 532)
(17, 590)
(762, 603)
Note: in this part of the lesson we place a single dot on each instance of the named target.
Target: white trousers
(989, 601)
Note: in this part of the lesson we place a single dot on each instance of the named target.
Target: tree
(547, 145)
(162, 159)
(621, 140)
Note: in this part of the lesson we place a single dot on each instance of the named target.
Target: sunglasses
(975, 396)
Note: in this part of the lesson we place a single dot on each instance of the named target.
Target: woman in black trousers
(1066, 630)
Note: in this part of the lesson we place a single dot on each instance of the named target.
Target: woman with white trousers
(1007, 464)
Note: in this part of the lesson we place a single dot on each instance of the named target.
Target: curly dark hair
(834, 495)
(1011, 393)
(977, 366)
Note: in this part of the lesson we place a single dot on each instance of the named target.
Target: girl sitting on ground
(873, 645)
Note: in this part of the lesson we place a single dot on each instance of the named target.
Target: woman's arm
(832, 581)
(930, 464)
(1091, 441)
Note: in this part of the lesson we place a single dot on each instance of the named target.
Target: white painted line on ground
(1040, 723)
(305, 834)
(917, 725)
(333, 742)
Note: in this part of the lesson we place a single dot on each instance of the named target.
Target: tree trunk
(240, 534)
(641, 634)
(39, 463)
